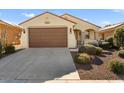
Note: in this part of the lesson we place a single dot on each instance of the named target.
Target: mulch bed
(98, 69)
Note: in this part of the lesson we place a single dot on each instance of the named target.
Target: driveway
(38, 65)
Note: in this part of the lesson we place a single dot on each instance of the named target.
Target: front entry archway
(78, 36)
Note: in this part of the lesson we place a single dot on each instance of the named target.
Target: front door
(78, 36)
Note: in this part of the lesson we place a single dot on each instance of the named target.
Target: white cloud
(119, 11)
(85, 19)
(105, 23)
(28, 14)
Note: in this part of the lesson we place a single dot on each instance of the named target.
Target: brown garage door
(48, 37)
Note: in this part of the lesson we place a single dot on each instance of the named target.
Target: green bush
(100, 42)
(121, 53)
(1, 50)
(94, 43)
(104, 45)
(83, 58)
(90, 49)
(9, 49)
(82, 49)
(98, 51)
(117, 67)
(119, 38)
(110, 40)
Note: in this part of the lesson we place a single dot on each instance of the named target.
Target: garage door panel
(48, 37)
(47, 45)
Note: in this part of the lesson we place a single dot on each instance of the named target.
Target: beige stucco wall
(83, 25)
(92, 35)
(42, 21)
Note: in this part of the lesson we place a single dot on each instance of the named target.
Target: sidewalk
(85, 81)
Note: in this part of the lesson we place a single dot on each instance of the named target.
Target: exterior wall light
(70, 30)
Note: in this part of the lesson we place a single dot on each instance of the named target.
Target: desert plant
(83, 58)
(104, 45)
(117, 67)
(121, 53)
(100, 42)
(110, 40)
(119, 38)
(82, 49)
(9, 49)
(94, 43)
(90, 49)
(1, 50)
(98, 50)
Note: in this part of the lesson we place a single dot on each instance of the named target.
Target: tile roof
(81, 20)
(111, 26)
(45, 13)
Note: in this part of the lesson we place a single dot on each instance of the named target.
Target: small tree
(119, 38)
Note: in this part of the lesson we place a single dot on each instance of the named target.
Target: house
(51, 30)
(109, 30)
(9, 33)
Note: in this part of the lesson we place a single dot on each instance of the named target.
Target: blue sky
(99, 17)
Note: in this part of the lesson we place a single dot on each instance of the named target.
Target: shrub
(9, 49)
(121, 53)
(117, 67)
(119, 38)
(94, 43)
(104, 45)
(98, 50)
(100, 42)
(110, 40)
(90, 49)
(83, 58)
(1, 50)
(82, 49)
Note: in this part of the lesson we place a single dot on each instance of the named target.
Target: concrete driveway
(38, 65)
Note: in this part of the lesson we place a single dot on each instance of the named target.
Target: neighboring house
(50, 30)
(9, 34)
(108, 31)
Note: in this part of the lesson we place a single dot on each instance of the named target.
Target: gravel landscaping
(98, 69)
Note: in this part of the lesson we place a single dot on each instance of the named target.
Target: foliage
(83, 58)
(94, 43)
(110, 40)
(98, 51)
(121, 53)
(104, 45)
(90, 49)
(82, 49)
(1, 48)
(119, 38)
(9, 49)
(117, 67)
